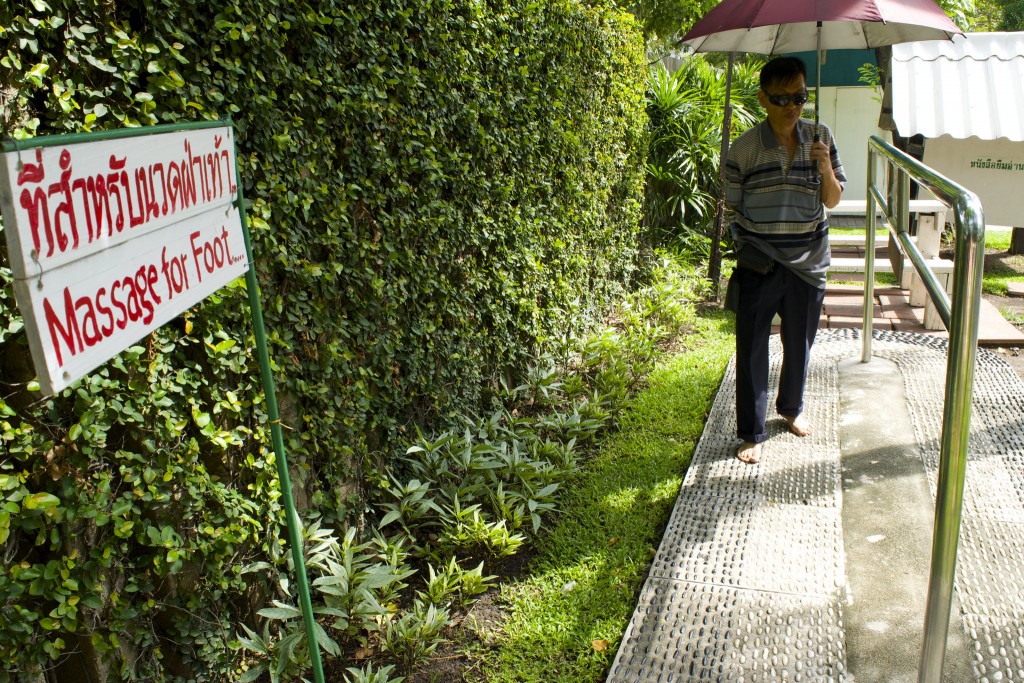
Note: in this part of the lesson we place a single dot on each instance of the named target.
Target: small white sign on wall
(992, 169)
(110, 239)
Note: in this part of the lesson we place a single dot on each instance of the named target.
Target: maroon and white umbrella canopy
(772, 27)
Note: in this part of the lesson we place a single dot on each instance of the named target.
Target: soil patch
(1013, 356)
(1012, 309)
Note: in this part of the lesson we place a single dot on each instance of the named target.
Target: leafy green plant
(413, 507)
(1012, 316)
(357, 580)
(415, 635)
(488, 480)
(353, 583)
(871, 76)
(686, 109)
(453, 583)
(466, 529)
(580, 423)
(443, 584)
(368, 675)
(472, 583)
(517, 507)
(542, 386)
(281, 658)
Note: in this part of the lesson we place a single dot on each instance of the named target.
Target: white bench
(939, 266)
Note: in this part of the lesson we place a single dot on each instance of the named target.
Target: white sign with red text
(109, 240)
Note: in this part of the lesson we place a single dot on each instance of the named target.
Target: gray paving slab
(752, 580)
(888, 513)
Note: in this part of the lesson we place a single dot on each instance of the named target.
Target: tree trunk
(1016, 242)
(715, 263)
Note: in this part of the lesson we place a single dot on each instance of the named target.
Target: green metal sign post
(292, 517)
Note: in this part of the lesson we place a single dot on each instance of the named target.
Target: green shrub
(415, 635)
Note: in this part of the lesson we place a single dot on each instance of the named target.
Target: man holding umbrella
(779, 177)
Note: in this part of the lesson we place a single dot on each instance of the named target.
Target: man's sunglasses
(783, 100)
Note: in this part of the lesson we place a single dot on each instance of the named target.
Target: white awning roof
(970, 86)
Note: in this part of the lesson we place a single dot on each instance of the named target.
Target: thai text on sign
(110, 239)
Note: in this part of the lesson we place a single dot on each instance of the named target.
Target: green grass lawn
(567, 617)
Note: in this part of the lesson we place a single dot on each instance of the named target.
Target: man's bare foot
(798, 424)
(749, 452)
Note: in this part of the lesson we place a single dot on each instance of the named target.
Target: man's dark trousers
(799, 306)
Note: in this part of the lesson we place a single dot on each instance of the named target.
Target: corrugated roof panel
(970, 86)
(975, 45)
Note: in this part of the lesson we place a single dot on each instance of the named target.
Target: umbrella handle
(817, 87)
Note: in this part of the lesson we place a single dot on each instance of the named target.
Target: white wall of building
(851, 112)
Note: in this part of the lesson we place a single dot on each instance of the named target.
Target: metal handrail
(961, 320)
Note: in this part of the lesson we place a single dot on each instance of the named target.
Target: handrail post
(956, 418)
(903, 201)
(869, 263)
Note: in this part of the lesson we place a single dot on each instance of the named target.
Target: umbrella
(773, 27)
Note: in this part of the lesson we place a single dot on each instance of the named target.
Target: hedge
(437, 188)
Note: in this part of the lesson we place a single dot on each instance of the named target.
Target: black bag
(732, 294)
(750, 257)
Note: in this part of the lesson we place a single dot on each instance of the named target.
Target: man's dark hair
(782, 70)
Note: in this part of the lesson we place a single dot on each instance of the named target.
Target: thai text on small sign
(110, 239)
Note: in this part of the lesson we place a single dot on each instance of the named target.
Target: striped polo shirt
(776, 206)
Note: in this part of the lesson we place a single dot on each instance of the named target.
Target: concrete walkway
(812, 565)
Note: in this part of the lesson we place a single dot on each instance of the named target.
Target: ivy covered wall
(436, 187)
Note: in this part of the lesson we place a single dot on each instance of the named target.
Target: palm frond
(686, 110)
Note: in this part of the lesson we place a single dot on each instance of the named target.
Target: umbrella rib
(753, 17)
(775, 39)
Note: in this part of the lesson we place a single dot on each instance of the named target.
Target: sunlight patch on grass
(627, 499)
(997, 275)
(624, 499)
(998, 240)
(1012, 316)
